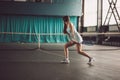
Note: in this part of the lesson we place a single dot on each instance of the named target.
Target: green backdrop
(33, 24)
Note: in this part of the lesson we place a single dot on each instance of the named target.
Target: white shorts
(77, 37)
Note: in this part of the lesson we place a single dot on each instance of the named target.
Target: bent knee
(80, 51)
(68, 44)
(65, 46)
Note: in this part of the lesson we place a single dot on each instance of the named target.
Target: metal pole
(39, 41)
(99, 20)
(82, 17)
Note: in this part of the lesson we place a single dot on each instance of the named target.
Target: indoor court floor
(22, 61)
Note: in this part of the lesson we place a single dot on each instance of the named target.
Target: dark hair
(65, 29)
(66, 18)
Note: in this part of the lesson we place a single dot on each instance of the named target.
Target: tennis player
(75, 39)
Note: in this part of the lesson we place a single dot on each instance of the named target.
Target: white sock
(67, 58)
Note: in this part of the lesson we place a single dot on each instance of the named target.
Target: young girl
(75, 38)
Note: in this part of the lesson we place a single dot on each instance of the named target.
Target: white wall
(91, 12)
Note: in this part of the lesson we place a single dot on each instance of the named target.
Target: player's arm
(72, 29)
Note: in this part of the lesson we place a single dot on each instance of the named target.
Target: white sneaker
(91, 61)
(65, 61)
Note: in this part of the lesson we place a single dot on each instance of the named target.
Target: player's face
(65, 22)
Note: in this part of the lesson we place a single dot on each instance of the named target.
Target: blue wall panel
(57, 8)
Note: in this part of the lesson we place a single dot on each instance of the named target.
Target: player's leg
(66, 51)
(80, 51)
